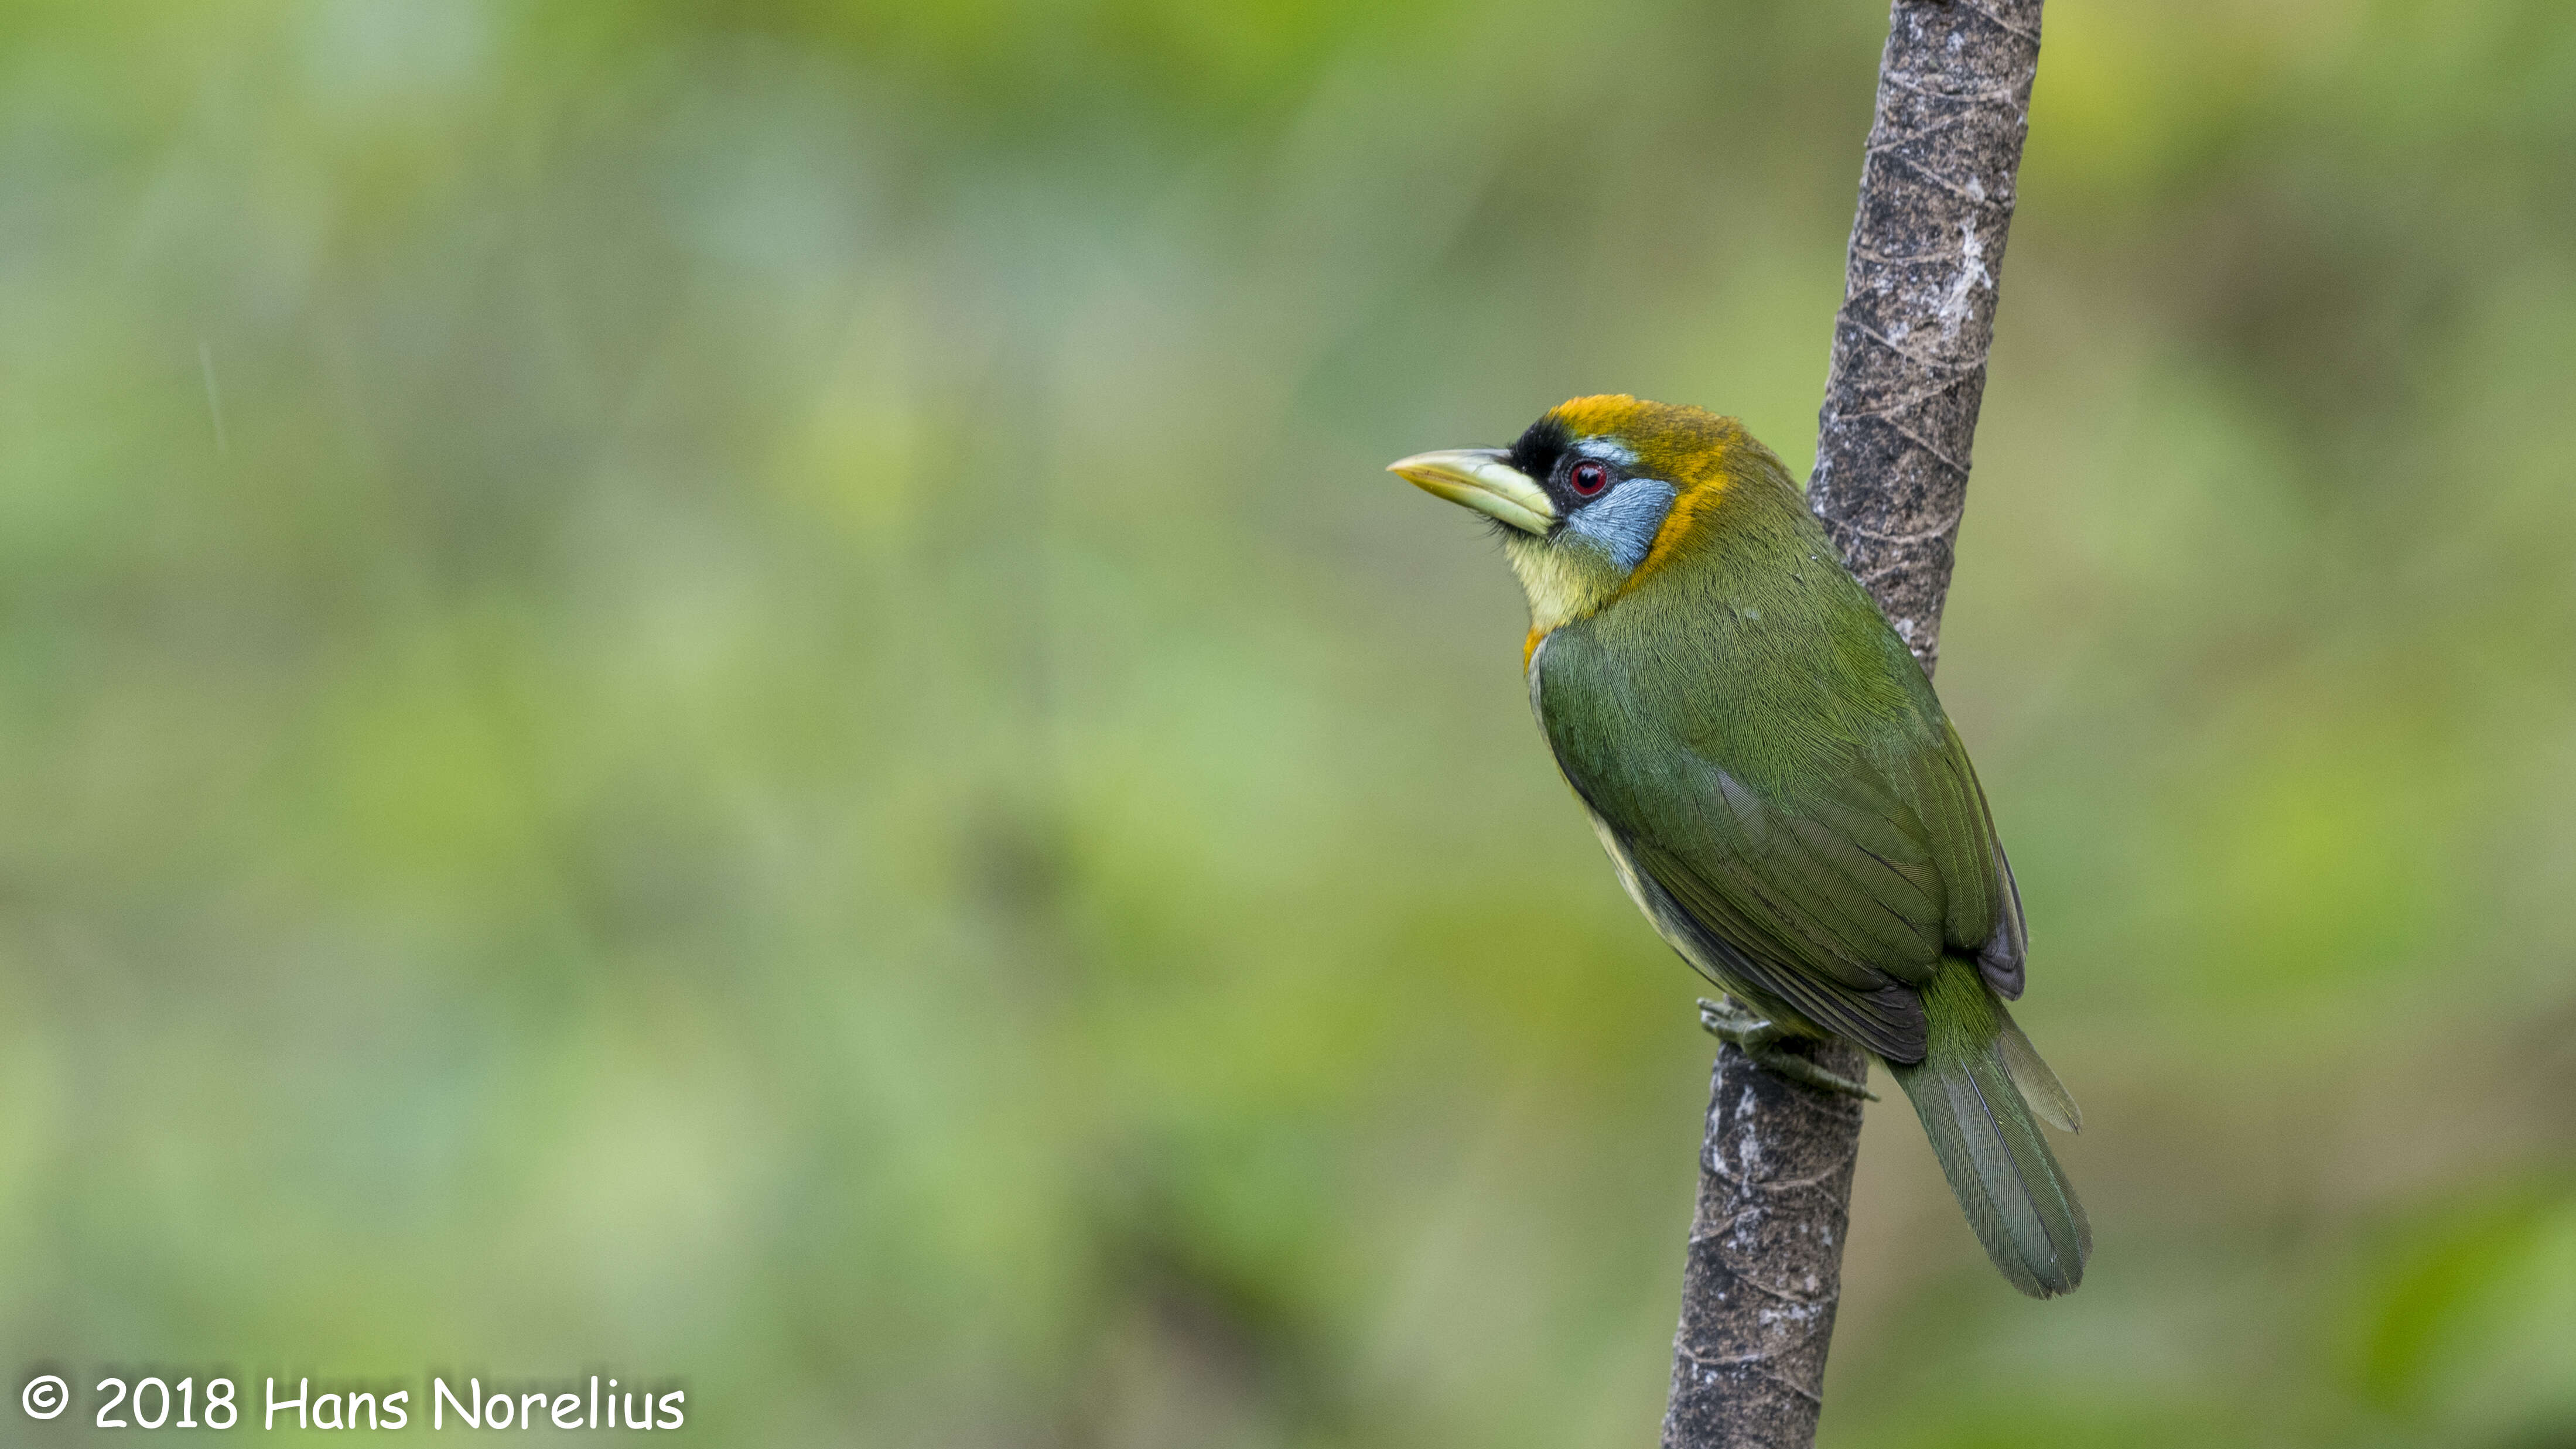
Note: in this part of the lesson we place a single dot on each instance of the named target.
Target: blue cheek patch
(1623, 522)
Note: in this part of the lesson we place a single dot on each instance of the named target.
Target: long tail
(1976, 1090)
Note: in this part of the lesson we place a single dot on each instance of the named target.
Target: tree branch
(1764, 1271)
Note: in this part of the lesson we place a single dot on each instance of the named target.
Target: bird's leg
(1760, 1041)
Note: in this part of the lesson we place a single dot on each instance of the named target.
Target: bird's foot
(1762, 1043)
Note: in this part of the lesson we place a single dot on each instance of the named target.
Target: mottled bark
(1927, 252)
(1766, 1256)
(1764, 1272)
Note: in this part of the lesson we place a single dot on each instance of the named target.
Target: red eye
(1588, 479)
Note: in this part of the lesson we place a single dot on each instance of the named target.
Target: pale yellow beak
(1482, 480)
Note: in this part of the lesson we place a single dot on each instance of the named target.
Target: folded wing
(1837, 896)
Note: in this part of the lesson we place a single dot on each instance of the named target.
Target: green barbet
(1777, 784)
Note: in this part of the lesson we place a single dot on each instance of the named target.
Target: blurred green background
(728, 693)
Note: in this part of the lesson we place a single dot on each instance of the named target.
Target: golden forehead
(1682, 443)
(1605, 415)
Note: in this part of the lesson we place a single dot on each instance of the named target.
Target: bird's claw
(1764, 1045)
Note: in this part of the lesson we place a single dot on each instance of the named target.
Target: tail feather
(2039, 1086)
(1985, 1133)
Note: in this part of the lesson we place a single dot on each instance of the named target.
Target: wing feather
(1837, 898)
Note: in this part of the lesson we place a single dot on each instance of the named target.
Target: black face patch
(1547, 456)
(1539, 451)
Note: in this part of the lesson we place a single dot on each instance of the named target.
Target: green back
(1771, 756)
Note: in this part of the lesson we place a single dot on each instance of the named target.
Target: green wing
(1834, 882)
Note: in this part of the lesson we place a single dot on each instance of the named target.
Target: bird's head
(1597, 495)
